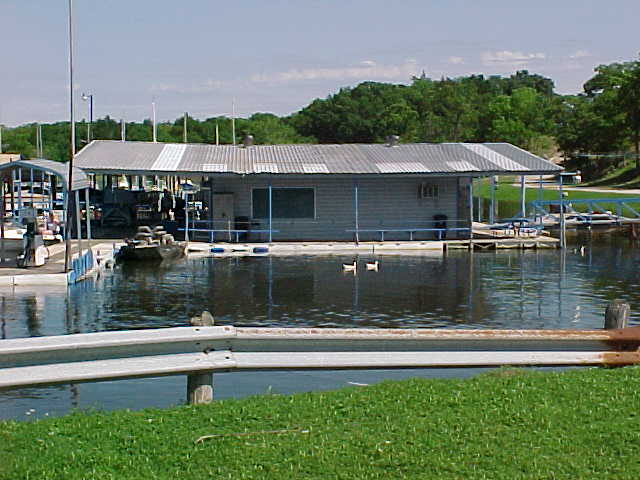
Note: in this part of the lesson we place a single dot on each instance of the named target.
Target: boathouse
(314, 192)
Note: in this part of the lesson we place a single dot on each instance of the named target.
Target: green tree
(520, 118)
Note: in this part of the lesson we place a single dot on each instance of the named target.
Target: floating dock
(503, 243)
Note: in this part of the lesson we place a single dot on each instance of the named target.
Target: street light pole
(90, 98)
(67, 213)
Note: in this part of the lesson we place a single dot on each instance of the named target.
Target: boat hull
(151, 252)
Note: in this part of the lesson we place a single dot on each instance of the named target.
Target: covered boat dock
(38, 189)
(284, 193)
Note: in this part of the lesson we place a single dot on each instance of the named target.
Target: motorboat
(151, 245)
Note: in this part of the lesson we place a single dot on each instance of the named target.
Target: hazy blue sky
(277, 56)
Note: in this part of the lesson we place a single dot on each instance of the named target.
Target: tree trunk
(637, 142)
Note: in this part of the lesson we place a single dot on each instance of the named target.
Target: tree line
(523, 109)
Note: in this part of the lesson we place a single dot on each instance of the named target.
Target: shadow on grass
(618, 178)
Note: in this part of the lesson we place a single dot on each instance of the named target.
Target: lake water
(504, 289)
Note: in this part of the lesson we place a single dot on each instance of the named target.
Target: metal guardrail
(199, 351)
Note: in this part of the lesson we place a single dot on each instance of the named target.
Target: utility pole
(67, 219)
(153, 114)
(233, 121)
(90, 98)
(184, 128)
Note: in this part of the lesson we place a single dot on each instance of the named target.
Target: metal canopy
(80, 180)
(446, 159)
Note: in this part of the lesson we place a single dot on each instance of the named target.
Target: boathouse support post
(563, 241)
(470, 211)
(78, 223)
(3, 215)
(200, 384)
(270, 212)
(88, 210)
(186, 216)
(523, 195)
(19, 189)
(66, 218)
(211, 217)
(42, 197)
(356, 211)
(11, 188)
(492, 200)
(51, 180)
(616, 315)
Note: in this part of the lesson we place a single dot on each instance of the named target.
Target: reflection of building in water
(33, 312)
(304, 291)
(3, 318)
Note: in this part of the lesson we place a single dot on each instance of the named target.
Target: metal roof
(80, 179)
(304, 159)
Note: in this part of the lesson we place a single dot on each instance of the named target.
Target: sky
(202, 56)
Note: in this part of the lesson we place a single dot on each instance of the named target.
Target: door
(223, 209)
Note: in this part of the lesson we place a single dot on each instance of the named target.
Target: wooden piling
(200, 385)
(616, 315)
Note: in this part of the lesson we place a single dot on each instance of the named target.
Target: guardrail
(201, 350)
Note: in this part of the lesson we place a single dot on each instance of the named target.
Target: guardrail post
(616, 315)
(200, 385)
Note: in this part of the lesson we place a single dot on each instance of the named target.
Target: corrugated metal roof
(501, 161)
(314, 168)
(80, 179)
(266, 168)
(214, 167)
(402, 167)
(169, 158)
(462, 166)
(445, 158)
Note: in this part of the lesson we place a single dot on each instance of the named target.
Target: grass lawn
(509, 194)
(510, 424)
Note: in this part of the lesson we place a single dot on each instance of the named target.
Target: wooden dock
(522, 243)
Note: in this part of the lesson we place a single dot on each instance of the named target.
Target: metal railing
(439, 228)
(592, 205)
(200, 351)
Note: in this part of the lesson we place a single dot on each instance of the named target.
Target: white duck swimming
(350, 267)
(373, 266)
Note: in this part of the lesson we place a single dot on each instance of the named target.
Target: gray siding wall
(383, 203)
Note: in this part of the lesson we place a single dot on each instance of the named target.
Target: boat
(151, 245)
(577, 219)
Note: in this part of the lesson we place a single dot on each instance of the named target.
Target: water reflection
(504, 289)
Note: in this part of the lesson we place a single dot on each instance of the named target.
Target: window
(429, 190)
(286, 203)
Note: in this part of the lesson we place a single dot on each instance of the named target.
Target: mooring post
(616, 315)
(200, 385)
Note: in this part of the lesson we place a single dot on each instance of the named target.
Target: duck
(350, 267)
(373, 266)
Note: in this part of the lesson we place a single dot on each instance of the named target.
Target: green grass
(508, 194)
(505, 425)
(623, 177)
